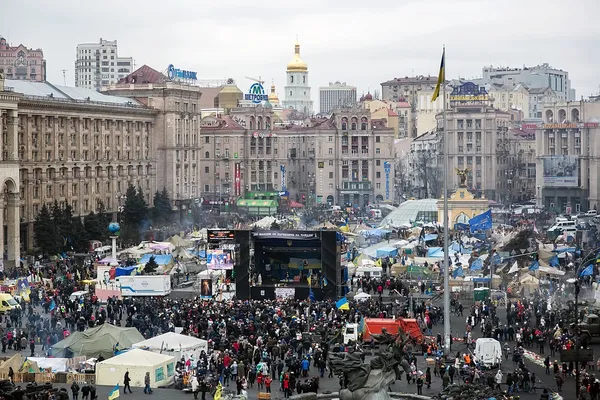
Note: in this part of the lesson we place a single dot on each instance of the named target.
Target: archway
(330, 200)
(462, 218)
(379, 198)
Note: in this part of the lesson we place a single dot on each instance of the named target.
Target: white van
(488, 353)
(373, 271)
(563, 224)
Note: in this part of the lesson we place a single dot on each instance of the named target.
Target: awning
(257, 203)
(295, 204)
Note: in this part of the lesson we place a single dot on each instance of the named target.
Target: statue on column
(1, 81)
(462, 175)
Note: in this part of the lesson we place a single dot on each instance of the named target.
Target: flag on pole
(534, 266)
(588, 271)
(441, 78)
(114, 393)
(52, 305)
(218, 392)
(342, 304)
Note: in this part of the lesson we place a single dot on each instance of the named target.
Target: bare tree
(426, 172)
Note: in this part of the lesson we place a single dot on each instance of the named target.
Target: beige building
(507, 98)
(176, 145)
(20, 62)
(568, 154)
(345, 159)
(477, 140)
(75, 146)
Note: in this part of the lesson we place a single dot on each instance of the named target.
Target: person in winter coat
(428, 377)
(445, 380)
(75, 390)
(195, 387)
(420, 385)
(126, 381)
(498, 379)
(147, 389)
(85, 391)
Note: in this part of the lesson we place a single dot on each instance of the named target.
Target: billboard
(219, 259)
(206, 288)
(561, 171)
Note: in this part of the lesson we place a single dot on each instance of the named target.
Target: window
(377, 139)
(207, 188)
(207, 170)
(377, 150)
(331, 175)
(331, 150)
(377, 174)
(207, 155)
(378, 185)
(378, 163)
(331, 163)
(291, 80)
(206, 140)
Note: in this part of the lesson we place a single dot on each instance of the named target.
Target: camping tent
(174, 344)
(16, 362)
(99, 341)
(137, 362)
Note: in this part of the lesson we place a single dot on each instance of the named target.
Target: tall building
(297, 89)
(477, 140)
(75, 146)
(335, 96)
(416, 91)
(539, 76)
(98, 65)
(19, 62)
(568, 157)
(177, 144)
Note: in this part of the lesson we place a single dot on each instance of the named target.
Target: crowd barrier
(51, 377)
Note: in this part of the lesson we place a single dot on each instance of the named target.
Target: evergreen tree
(135, 211)
(44, 231)
(151, 266)
(64, 225)
(161, 212)
(79, 238)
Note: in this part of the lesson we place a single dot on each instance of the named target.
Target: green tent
(99, 341)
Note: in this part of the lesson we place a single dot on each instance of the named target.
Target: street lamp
(575, 281)
(120, 198)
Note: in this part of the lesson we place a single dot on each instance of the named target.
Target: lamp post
(120, 198)
(577, 362)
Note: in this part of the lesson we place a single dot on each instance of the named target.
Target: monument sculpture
(462, 175)
(371, 381)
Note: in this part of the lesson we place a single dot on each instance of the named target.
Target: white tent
(362, 296)
(174, 344)
(137, 362)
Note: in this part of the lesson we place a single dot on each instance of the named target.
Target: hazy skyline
(360, 43)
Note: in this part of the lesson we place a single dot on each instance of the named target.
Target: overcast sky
(358, 42)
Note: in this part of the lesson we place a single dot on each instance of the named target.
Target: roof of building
(538, 90)
(412, 80)
(403, 104)
(48, 90)
(523, 133)
(392, 113)
(431, 135)
(297, 64)
(144, 74)
(406, 213)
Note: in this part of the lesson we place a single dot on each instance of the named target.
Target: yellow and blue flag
(342, 304)
(218, 392)
(441, 78)
(114, 393)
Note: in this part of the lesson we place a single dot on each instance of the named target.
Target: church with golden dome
(297, 89)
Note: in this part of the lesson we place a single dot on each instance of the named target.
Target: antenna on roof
(64, 71)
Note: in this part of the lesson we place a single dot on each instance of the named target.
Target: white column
(14, 232)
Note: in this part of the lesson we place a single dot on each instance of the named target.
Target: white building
(539, 76)
(297, 90)
(336, 95)
(98, 64)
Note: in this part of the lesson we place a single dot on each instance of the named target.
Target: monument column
(12, 140)
(14, 232)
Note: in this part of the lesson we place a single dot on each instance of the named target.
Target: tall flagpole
(446, 228)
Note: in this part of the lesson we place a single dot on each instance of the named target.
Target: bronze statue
(462, 175)
(371, 381)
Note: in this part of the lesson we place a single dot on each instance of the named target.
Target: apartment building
(568, 150)
(75, 146)
(335, 96)
(21, 62)
(98, 64)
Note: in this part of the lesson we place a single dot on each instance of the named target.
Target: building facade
(98, 65)
(76, 147)
(425, 176)
(568, 150)
(537, 98)
(176, 145)
(336, 95)
(477, 140)
(20, 62)
(539, 76)
(297, 88)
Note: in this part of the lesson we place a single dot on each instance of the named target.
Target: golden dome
(273, 99)
(297, 65)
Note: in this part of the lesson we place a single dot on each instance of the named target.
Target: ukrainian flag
(342, 304)
(218, 392)
(441, 78)
(114, 393)
(378, 263)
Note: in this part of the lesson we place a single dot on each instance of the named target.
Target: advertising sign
(561, 171)
(179, 74)
(206, 288)
(238, 179)
(387, 169)
(256, 94)
(468, 92)
(282, 168)
(219, 259)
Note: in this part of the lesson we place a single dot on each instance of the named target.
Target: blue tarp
(588, 271)
(565, 250)
(125, 271)
(430, 236)
(387, 252)
(161, 259)
(458, 272)
(477, 265)
(376, 232)
(457, 248)
(435, 252)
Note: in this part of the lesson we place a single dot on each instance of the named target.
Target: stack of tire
(33, 388)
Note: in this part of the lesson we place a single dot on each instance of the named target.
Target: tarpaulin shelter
(137, 362)
(174, 344)
(99, 341)
(16, 362)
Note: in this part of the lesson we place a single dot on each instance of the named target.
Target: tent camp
(16, 362)
(137, 362)
(174, 344)
(99, 341)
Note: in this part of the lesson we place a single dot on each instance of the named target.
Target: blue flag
(553, 261)
(52, 305)
(481, 222)
(534, 266)
(458, 272)
(588, 271)
(496, 259)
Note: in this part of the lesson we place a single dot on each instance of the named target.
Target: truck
(488, 353)
(145, 285)
(371, 326)
(589, 327)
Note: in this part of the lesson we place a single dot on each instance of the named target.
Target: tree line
(58, 231)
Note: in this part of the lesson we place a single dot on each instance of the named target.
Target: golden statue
(462, 175)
